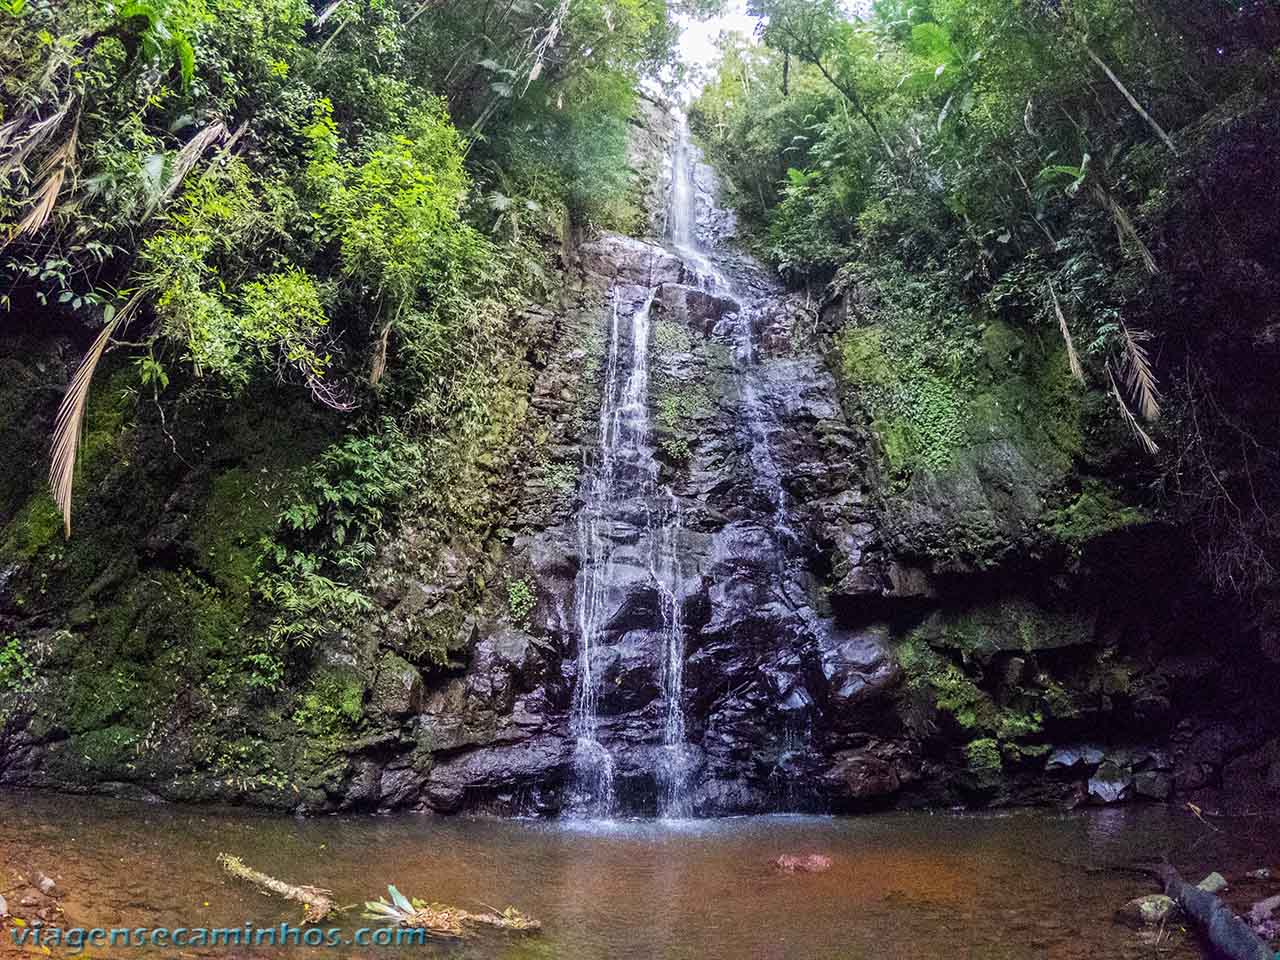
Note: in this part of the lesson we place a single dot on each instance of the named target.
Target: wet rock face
(756, 458)
(830, 660)
(839, 652)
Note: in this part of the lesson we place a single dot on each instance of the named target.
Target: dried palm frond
(1125, 228)
(1143, 437)
(1138, 375)
(54, 171)
(380, 357)
(548, 41)
(1073, 358)
(189, 156)
(7, 130)
(66, 431)
(37, 134)
(327, 12)
(1133, 101)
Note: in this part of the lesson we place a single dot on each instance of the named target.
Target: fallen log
(443, 920)
(1226, 932)
(318, 903)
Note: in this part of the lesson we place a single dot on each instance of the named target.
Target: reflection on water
(916, 885)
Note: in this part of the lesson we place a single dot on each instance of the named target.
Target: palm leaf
(1073, 358)
(189, 156)
(1142, 436)
(66, 431)
(37, 134)
(1138, 375)
(399, 899)
(54, 170)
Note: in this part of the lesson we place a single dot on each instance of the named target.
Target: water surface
(947, 886)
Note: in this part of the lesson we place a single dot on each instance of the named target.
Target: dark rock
(397, 687)
(1083, 757)
(857, 666)
(1153, 785)
(1110, 783)
(878, 769)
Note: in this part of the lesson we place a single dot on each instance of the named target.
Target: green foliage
(982, 757)
(16, 671)
(914, 373)
(676, 406)
(1092, 513)
(520, 601)
(989, 156)
(332, 705)
(330, 526)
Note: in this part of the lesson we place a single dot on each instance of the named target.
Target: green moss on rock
(1092, 513)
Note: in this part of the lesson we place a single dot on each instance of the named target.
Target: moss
(862, 358)
(1001, 345)
(240, 511)
(1007, 625)
(1092, 513)
(107, 413)
(983, 762)
(332, 705)
(671, 337)
(676, 407)
(1058, 406)
(36, 526)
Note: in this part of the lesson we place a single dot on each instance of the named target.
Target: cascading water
(622, 483)
(624, 468)
(673, 771)
(625, 474)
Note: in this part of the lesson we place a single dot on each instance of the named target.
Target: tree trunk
(1226, 932)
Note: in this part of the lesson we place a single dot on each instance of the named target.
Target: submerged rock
(803, 863)
(1151, 910)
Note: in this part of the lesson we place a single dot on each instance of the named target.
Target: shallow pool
(947, 885)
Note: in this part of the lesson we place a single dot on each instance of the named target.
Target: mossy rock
(1007, 625)
(1002, 346)
(397, 687)
(1094, 512)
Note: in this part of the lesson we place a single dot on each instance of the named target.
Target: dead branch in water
(443, 920)
(1226, 932)
(318, 902)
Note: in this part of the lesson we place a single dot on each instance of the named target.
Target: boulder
(1110, 784)
(397, 687)
(1076, 757)
(857, 666)
(875, 770)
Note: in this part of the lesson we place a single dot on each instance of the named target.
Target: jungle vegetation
(343, 204)
(1085, 173)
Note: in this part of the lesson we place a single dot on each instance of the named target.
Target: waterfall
(673, 770)
(624, 469)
